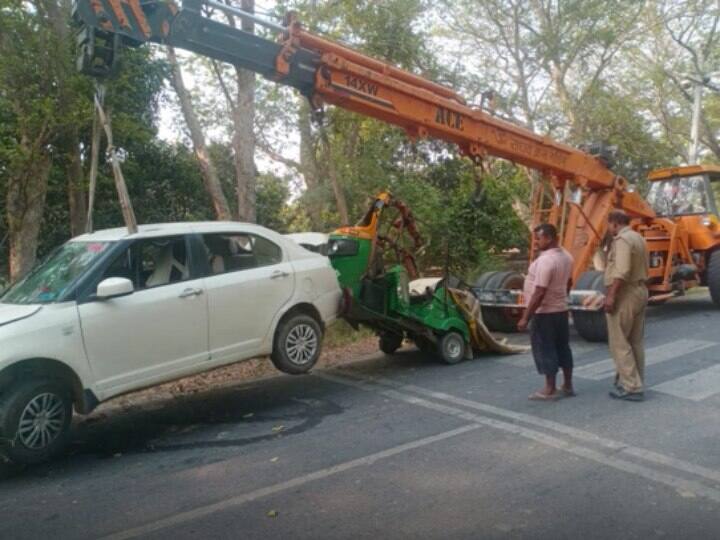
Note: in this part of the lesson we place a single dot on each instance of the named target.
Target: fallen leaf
(272, 514)
(274, 460)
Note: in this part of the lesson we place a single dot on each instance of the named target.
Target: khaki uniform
(628, 261)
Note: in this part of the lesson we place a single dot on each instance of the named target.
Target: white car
(312, 241)
(109, 312)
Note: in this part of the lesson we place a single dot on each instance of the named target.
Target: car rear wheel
(298, 344)
(35, 419)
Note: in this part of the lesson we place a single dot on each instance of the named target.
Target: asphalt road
(403, 447)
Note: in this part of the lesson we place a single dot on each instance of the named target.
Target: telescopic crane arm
(327, 72)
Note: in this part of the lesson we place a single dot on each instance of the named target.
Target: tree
(683, 45)
(47, 109)
(328, 159)
(528, 50)
(207, 167)
(29, 69)
(243, 116)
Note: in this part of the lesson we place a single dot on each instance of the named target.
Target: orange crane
(578, 189)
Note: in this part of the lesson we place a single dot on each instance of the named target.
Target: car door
(159, 331)
(249, 281)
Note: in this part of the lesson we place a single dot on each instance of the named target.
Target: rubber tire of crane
(591, 325)
(713, 276)
(452, 347)
(481, 282)
(500, 319)
(389, 343)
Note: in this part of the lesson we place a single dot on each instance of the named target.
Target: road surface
(403, 447)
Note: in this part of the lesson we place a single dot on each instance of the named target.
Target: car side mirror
(114, 287)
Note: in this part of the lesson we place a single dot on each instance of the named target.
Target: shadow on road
(693, 304)
(214, 418)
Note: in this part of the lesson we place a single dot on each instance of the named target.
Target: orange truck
(577, 189)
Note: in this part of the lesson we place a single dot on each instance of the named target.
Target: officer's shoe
(623, 394)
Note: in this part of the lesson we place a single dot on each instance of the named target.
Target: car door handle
(187, 293)
(279, 275)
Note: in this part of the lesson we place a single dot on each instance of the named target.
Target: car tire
(35, 418)
(452, 347)
(297, 345)
(389, 343)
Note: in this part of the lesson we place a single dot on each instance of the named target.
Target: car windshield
(49, 280)
(679, 196)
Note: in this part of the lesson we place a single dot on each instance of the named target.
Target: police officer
(625, 304)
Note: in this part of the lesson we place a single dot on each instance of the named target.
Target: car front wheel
(298, 344)
(35, 421)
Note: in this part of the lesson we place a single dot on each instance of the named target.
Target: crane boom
(341, 76)
(327, 72)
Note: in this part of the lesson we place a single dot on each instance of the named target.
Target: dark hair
(547, 230)
(619, 217)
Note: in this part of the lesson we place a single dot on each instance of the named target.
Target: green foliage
(272, 194)
(616, 120)
(466, 213)
(588, 47)
(474, 223)
(43, 99)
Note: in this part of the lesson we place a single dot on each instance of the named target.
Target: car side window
(233, 252)
(152, 262)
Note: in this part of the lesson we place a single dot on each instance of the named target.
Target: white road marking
(202, 511)
(695, 386)
(606, 368)
(610, 445)
(609, 455)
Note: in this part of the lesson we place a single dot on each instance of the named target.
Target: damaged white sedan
(112, 312)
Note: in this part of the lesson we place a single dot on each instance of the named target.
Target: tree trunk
(309, 165)
(76, 192)
(244, 145)
(244, 135)
(207, 168)
(334, 178)
(25, 204)
(563, 94)
(94, 162)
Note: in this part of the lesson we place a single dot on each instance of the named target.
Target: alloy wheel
(41, 422)
(301, 344)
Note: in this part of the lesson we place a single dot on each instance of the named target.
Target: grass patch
(341, 333)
